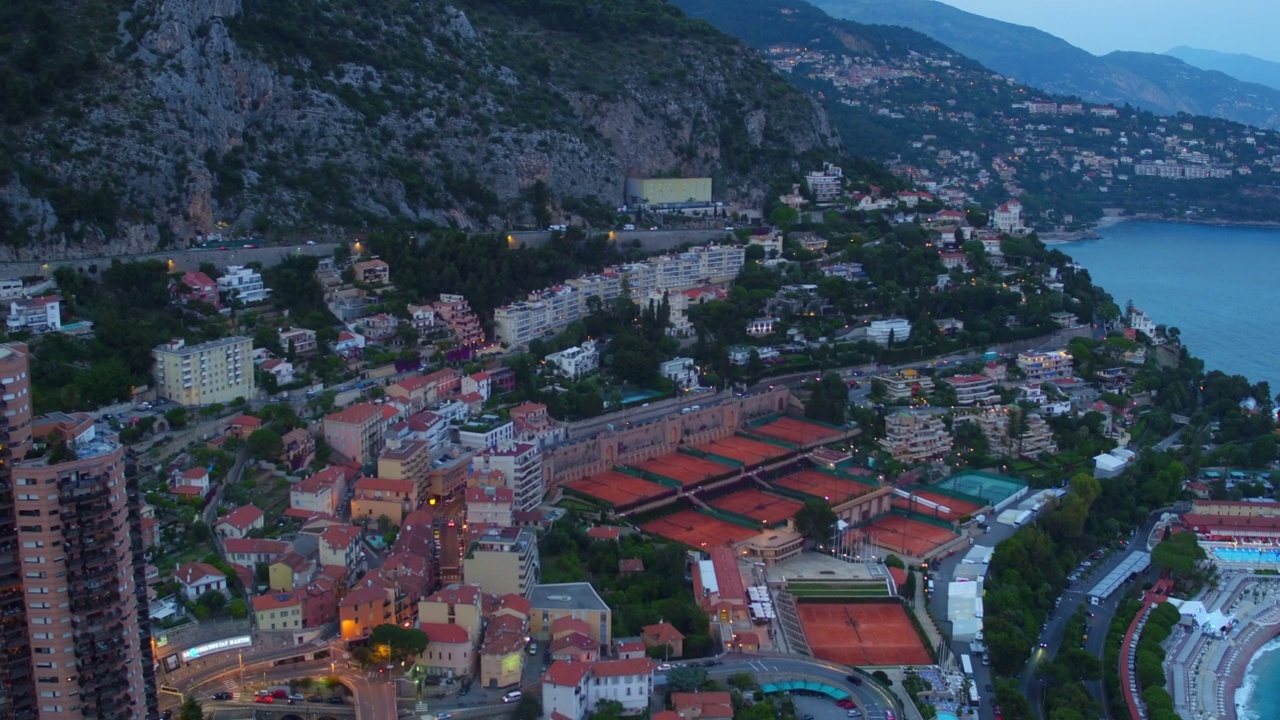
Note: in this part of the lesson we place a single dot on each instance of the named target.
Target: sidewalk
(921, 610)
(908, 708)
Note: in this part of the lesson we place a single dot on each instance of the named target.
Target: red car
(264, 699)
(846, 703)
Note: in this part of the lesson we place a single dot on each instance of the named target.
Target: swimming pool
(944, 715)
(1247, 555)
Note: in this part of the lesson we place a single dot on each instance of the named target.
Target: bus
(974, 700)
(967, 664)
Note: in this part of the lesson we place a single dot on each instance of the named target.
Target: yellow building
(459, 605)
(503, 560)
(502, 654)
(407, 460)
(550, 602)
(218, 371)
(668, 191)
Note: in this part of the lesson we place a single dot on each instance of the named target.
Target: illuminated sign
(217, 646)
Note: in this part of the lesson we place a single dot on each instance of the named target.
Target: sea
(1259, 696)
(1217, 284)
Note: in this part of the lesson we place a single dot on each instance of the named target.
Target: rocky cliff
(321, 116)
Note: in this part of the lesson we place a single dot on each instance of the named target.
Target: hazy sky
(1100, 26)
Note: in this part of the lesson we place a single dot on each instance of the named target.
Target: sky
(1101, 26)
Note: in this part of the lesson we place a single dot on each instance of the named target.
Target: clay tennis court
(861, 633)
(758, 505)
(686, 469)
(619, 489)
(900, 534)
(747, 452)
(832, 487)
(696, 530)
(797, 432)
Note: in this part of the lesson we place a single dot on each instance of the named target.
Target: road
(943, 571)
(374, 699)
(1075, 596)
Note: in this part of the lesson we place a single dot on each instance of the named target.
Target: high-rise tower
(71, 605)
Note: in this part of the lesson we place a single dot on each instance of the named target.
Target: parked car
(297, 697)
(316, 699)
(264, 699)
(336, 700)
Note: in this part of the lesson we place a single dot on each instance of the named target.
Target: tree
(400, 643)
(607, 710)
(685, 679)
(529, 708)
(213, 600)
(191, 710)
(238, 609)
(176, 417)
(816, 521)
(265, 444)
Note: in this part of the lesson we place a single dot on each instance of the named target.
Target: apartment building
(376, 497)
(971, 389)
(218, 371)
(825, 184)
(503, 560)
(320, 493)
(490, 506)
(486, 431)
(198, 287)
(298, 340)
(546, 312)
(1042, 366)
(408, 460)
(574, 362)
(1011, 433)
(502, 655)
(572, 690)
(883, 332)
(455, 312)
(36, 315)
(373, 272)
(243, 284)
(915, 437)
(572, 600)
(905, 385)
(77, 629)
(520, 465)
(356, 433)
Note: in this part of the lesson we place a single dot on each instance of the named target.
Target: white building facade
(243, 284)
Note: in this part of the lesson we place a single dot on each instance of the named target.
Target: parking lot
(817, 708)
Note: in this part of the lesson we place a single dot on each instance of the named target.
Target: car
(166, 715)
(311, 242)
(845, 703)
(296, 697)
(854, 712)
(280, 694)
(888, 715)
(1044, 644)
(853, 679)
(711, 663)
(336, 700)
(224, 695)
(264, 699)
(462, 691)
(513, 696)
(806, 717)
(444, 716)
(988, 687)
(663, 667)
(316, 699)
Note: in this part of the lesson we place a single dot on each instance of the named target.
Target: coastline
(1240, 660)
(1056, 237)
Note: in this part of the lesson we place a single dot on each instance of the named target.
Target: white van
(513, 696)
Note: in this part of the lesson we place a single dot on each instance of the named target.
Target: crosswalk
(760, 666)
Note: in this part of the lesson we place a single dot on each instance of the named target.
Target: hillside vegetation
(152, 122)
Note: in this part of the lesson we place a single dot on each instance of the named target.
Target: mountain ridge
(1033, 57)
(1241, 66)
(323, 117)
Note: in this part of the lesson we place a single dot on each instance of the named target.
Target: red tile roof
(604, 533)
(241, 518)
(196, 473)
(569, 624)
(444, 633)
(566, 674)
(340, 537)
(518, 603)
(662, 633)
(369, 593)
(456, 595)
(357, 414)
(618, 668)
(275, 601)
(256, 546)
(193, 573)
(192, 490)
(574, 640)
(717, 704)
